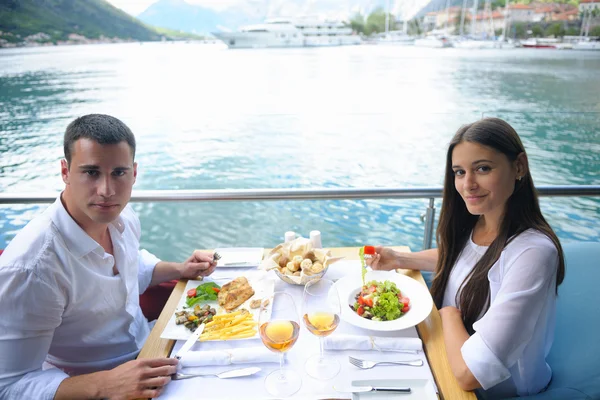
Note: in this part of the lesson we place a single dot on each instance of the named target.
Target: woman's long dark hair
(456, 223)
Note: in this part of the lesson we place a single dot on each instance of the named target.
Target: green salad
(206, 292)
(381, 301)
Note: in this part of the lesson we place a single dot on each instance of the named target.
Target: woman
(497, 266)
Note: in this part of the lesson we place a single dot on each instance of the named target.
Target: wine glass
(279, 333)
(321, 315)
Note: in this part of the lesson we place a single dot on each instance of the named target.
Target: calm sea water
(365, 116)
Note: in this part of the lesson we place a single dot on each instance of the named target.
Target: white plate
(421, 389)
(421, 302)
(263, 287)
(240, 257)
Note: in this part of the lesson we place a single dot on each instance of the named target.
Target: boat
(483, 44)
(587, 45)
(285, 32)
(433, 42)
(484, 40)
(395, 38)
(540, 43)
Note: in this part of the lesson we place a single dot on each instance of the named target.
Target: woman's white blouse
(507, 353)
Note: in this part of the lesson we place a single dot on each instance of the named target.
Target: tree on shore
(373, 24)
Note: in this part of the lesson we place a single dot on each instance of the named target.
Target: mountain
(178, 14)
(436, 5)
(57, 19)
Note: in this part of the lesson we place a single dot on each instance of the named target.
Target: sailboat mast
(488, 6)
(447, 16)
(473, 17)
(505, 26)
(387, 17)
(463, 13)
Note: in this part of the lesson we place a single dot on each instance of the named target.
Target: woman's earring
(519, 178)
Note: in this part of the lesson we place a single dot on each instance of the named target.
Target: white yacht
(468, 43)
(300, 32)
(587, 45)
(438, 42)
(395, 38)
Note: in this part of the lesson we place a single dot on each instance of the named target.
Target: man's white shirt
(62, 303)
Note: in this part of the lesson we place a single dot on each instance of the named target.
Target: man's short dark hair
(100, 128)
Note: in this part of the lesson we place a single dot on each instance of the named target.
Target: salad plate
(421, 302)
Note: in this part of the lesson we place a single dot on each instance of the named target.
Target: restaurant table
(430, 332)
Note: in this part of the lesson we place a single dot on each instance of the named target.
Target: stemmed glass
(321, 315)
(279, 333)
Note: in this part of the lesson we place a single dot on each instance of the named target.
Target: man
(70, 281)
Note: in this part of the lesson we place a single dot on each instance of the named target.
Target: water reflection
(366, 116)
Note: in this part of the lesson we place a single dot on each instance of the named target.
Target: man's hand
(199, 264)
(144, 378)
(385, 259)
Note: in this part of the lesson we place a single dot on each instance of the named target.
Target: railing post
(429, 220)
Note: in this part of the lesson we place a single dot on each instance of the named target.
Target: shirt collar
(78, 241)
(477, 248)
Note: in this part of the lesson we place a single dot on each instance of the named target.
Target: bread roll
(283, 260)
(317, 267)
(292, 267)
(297, 260)
(306, 264)
(310, 255)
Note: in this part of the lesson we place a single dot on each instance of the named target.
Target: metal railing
(430, 193)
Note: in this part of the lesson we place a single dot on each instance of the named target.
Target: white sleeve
(31, 312)
(146, 260)
(504, 331)
(146, 263)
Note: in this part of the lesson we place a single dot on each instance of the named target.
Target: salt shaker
(315, 239)
(289, 236)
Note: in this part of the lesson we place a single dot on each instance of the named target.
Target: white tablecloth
(252, 387)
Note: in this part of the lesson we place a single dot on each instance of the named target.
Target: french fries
(236, 325)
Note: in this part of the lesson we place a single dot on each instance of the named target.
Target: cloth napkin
(355, 342)
(242, 355)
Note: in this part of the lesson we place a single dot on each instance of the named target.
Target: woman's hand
(450, 312)
(385, 259)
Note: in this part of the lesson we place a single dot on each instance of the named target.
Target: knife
(363, 389)
(230, 264)
(234, 373)
(190, 342)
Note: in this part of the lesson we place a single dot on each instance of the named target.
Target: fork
(216, 256)
(365, 364)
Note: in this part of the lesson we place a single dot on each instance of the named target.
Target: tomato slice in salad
(192, 292)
